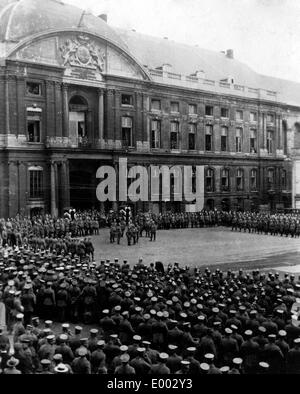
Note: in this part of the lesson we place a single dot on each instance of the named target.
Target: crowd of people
(148, 318)
(145, 318)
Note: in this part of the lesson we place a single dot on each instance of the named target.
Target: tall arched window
(210, 180)
(78, 108)
(224, 139)
(225, 180)
(240, 180)
(253, 179)
(271, 179)
(283, 180)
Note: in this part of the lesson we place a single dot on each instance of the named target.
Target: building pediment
(84, 56)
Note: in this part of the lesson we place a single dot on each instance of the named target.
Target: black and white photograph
(149, 190)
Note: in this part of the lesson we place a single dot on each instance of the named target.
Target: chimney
(103, 17)
(229, 53)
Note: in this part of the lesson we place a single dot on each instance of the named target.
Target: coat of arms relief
(82, 52)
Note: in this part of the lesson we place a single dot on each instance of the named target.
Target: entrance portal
(82, 190)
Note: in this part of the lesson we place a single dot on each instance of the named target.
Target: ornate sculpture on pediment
(81, 52)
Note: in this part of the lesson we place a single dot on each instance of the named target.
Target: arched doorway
(82, 190)
(78, 130)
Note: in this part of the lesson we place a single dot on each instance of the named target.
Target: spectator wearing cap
(273, 355)
(48, 301)
(206, 345)
(61, 369)
(107, 324)
(284, 347)
(28, 300)
(141, 366)
(261, 337)
(263, 368)
(125, 329)
(293, 358)
(111, 349)
(48, 349)
(175, 334)
(81, 365)
(62, 302)
(98, 357)
(199, 329)
(236, 366)
(209, 359)
(229, 348)
(124, 368)
(250, 352)
(161, 367)
(11, 369)
(132, 349)
(252, 323)
(174, 360)
(236, 319)
(64, 349)
(144, 328)
(46, 367)
(184, 369)
(74, 341)
(159, 332)
(18, 328)
(152, 355)
(93, 339)
(117, 316)
(194, 367)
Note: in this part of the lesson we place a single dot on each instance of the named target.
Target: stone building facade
(76, 94)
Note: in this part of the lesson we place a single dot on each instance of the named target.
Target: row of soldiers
(146, 318)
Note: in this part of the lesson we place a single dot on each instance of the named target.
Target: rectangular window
(270, 141)
(224, 138)
(36, 183)
(239, 180)
(209, 180)
(192, 109)
(192, 136)
(209, 110)
(225, 180)
(283, 180)
(271, 179)
(174, 106)
(208, 138)
(127, 99)
(253, 116)
(33, 127)
(155, 105)
(174, 135)
(253, 141)
(127, 131)
(270, 118)
(239, 115)
(238, 140)
(225, 113)
(253, 180)
(34, 88)
(155, 134)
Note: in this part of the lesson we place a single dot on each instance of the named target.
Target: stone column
(280, 139)
(7, 120)
(53, 189)
(65, 185)
(100, 115)
(65, 110)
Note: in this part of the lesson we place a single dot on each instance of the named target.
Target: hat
(78, 328)
(262, 329)
(94, 331)
(248, 333)
(82, 351)
(163, 356)
(209, 356)
(204, 367)
(45, 361)
(185, 362)
(105, 312)
(65, 325)
(140, 349)
(224, 369)
(12, 362)
(297, 340)
(50, 337)
(123, 348)
(264, 365)
(48, 322)
(57, 357)
(61, 368)
(237, 361)
(282, 333)
(101, 343)
(172, 347)
(20, 316)
(125, 358)
(137, 338)
(63, 337)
